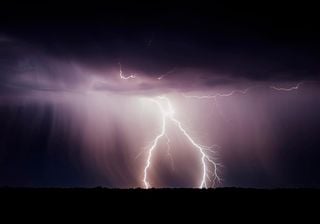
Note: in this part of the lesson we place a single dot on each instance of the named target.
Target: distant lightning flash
(168, 114)
(243, 92)
(296, 87)
(132, 76)
(219, 94)
(215, 96)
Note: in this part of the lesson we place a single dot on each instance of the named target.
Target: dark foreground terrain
(159, 191)
(127, 204)
(181, 194)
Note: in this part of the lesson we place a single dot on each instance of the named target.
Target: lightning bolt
(155, 143)
(122, 76)
(243, 92)
(219, 94)
(206, 160)
(296, 87)
(215, 96)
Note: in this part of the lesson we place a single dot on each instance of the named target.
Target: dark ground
(162, 193)
(159, 205)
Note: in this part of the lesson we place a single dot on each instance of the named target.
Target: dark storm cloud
(253, 45)
(27, 65)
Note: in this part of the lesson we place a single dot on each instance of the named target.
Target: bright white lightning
(287, 89)
(122, 76)
(206, 160)
(243, 92)
(219, 94)
(215, 96)
(155, 143)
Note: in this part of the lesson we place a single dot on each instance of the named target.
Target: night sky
(67, 119)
